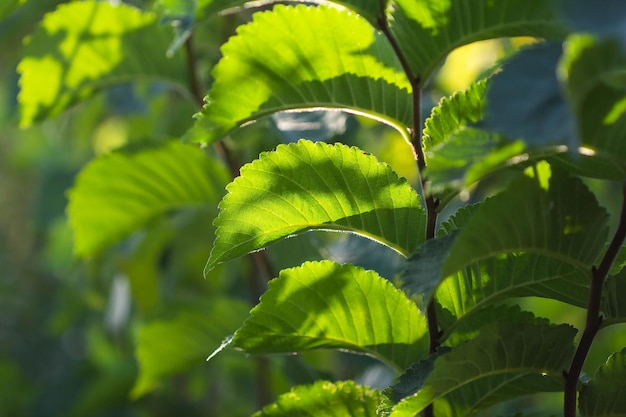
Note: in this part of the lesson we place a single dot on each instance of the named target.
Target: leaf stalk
(594, 319)
(416, 143)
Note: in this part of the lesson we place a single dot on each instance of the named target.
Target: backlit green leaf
(557, 218)
(327, 305)
(85, 46)
(540, 244)
(605, 394)
(175, 344)
(504, 361)
(307, 186)
(306, 57)
(427, 30)
(325, 399)
(118, 193)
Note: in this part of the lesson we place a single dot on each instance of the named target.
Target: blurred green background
(71, 331)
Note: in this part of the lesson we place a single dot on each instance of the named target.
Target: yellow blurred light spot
(110, 135)
(466, 63)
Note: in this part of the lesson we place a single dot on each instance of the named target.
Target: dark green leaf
(504, 361)
(83, 47)
(410, 382)
(427, 30)
(173, 345)
(327, 305)
(607, 18)
(423, 272)
(307, 186)
(118, 193)
(613, 304)
(605, 394)
(180, 15)
(594, 73)
(325, 399)
(525, 100)
(306, 57)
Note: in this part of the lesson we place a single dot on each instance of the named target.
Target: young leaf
(85, 46)
(306, 57)
(325, 399)
(458, 154)
(118, 193)
(605, 394)
(427, 30)
(305, 186)
(168, 346)
(504, 361)
(327, 305)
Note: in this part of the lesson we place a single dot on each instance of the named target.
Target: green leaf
(525, 100)
(605, 394)
(308, 186)
(424, 268)
(8, 6)
(526, 241)
(457, 153)
(325, 399)
(584, 16)
(83, 47)
(172, 345)
(427, 30)
(306, 57)
(504, 361)
(613, 305)
(557, 218)
(594, 73)
(120, 192)
(327, 305)
(411, 381)
(180, 15)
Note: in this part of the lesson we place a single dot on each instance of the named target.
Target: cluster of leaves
(549, 118)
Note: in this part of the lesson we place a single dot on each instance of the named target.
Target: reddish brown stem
(594, 319)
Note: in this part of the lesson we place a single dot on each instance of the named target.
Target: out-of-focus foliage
(109, 205)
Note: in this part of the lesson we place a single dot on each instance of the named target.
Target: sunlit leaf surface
(327, 305)
(325, 399)
(307, 186)
(306, 57)
(83, 47)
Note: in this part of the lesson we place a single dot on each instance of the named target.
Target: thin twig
(594, 319)
(416, 143)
